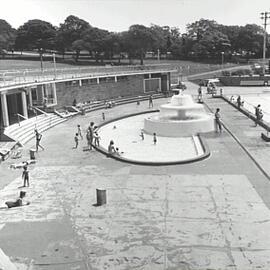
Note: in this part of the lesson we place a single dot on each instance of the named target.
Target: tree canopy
(7, 36)
(203, 39)
(69, 32)
(36, 34)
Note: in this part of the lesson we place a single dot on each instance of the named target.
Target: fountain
(181, 117)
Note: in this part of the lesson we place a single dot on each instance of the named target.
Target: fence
(20, 77)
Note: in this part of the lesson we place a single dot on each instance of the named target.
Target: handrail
(39, 110)
(251, 105)
(86, 69)
(25, 118)
(58, 113)
(22, 77)
(18, 117)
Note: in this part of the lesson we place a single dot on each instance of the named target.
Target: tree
(78, 45)
(160, 35)
(35, 34)
(96, 40)
(139, 39)
(70, 31)
(232, 32)
(251, 39)
(197, 30)
(112, 45)
(7, 36)
(175, 42)
(206, 40)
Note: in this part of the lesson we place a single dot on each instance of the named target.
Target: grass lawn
(11, 64)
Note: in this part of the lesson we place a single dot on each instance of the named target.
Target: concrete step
(94, 107)
(32, 124)
(30, 133)
(25, 132)
(24, 123)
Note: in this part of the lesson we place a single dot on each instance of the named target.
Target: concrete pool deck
(212, 214)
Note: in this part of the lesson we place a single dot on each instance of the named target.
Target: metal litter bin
(32, 153)
(101, 197)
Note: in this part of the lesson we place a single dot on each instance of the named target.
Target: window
(85, 82)
(34, 93)
(106, 79)
(68, 83)
(152, 85)
(122, 78)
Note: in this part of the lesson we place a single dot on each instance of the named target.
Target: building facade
(20, 100)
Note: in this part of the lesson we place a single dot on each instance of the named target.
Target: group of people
(109, 104)
(112, 150)
(258, 114)
(239, 101)
(92, 136)
(154, 137)
(26, 175)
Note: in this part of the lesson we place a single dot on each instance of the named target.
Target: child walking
(38, 139)
(96, 138)
(76, 139)
(155, 138)
(142, 135)
(79, 131)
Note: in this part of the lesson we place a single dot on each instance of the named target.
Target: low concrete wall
(250, 115)
(245, 81)
(206, 150)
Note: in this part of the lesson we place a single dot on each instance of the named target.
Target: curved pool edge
(102, 150)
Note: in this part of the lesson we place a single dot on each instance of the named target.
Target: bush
(226, 73)
(241, 72)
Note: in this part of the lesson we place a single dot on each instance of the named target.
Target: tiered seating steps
(25, 131)
(97, 105)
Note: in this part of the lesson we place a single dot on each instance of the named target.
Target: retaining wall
(132, 85)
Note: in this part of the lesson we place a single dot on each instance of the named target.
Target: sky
(118, 15)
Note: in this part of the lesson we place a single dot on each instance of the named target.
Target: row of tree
(203, 39)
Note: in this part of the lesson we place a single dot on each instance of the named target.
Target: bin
(101, 197)
(32, 153)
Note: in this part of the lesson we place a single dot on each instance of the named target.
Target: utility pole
(54, 65)
(222, 59)
(264, 16)
(41, 59)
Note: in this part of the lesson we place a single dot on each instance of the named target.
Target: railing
(17, 77)
(249, 109)
(20, 116)
(39, 110)
(40, 103)
(250, 105)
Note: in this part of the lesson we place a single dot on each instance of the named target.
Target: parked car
(179, 85)
(211, 88)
